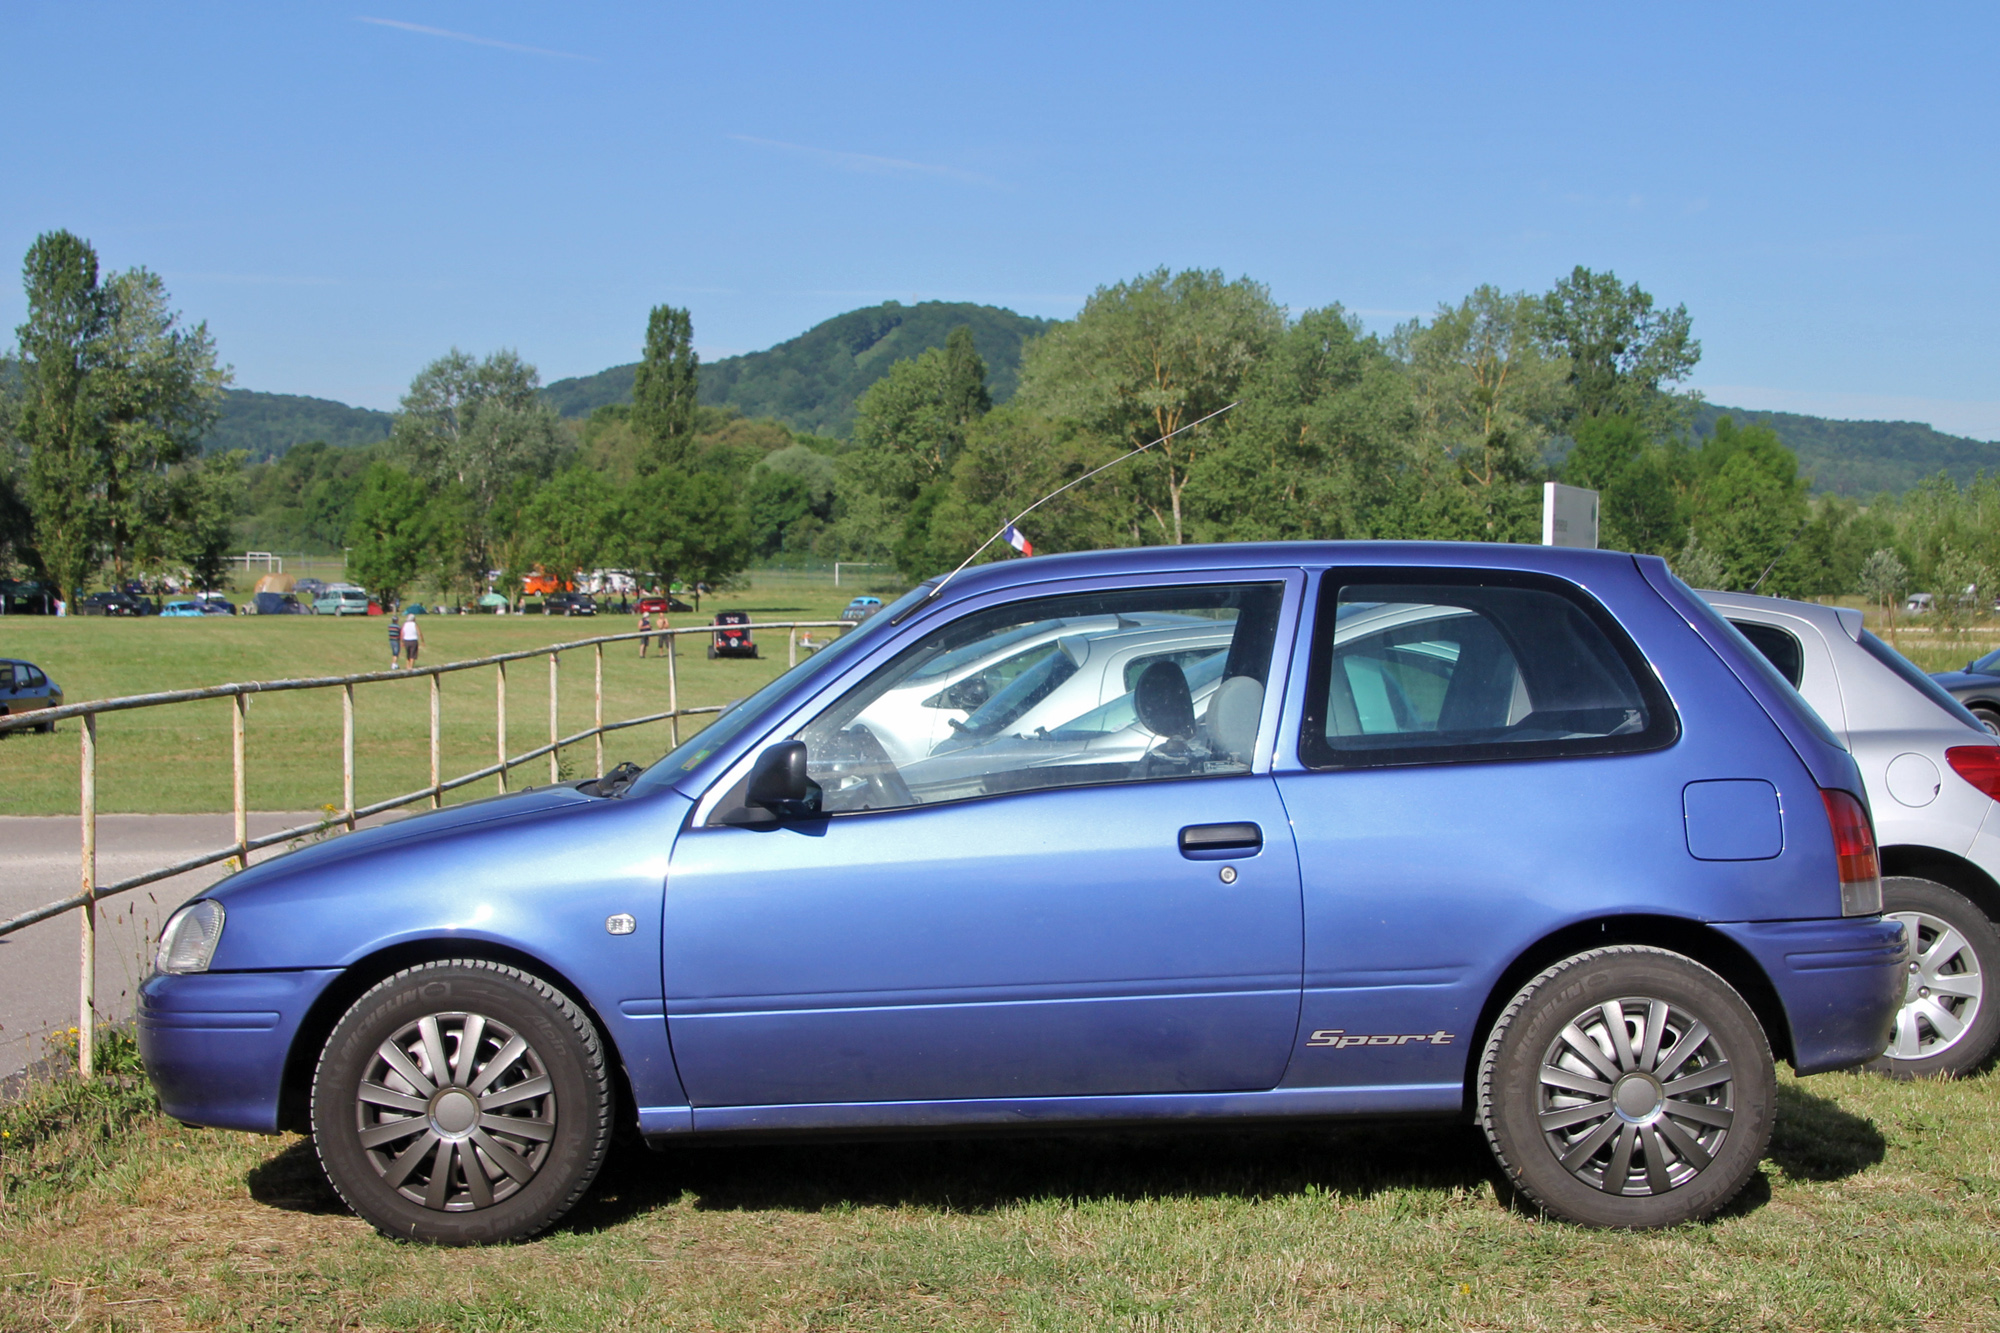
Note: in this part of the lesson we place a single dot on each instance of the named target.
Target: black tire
(1947, 1025)
(1659, 1158)
(556, 1088)
(1988, 715)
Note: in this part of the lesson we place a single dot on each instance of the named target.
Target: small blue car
(25, 687)
(1522, 835)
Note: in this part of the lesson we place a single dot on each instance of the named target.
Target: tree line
(1444, 428)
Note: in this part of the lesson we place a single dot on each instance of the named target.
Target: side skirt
(658, 1122)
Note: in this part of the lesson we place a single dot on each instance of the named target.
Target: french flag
(1017, 541)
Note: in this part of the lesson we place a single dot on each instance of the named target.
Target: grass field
(176, 759)
(1877, 1208)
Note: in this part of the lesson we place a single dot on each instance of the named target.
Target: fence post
(347, 753)
(792, 647)
(555, 732)
(500, 688)
(86, 1024)
(673, 691)
(597, 718)
(437, 717)
(239, 718)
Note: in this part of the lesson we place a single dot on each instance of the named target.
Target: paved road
(38, 864)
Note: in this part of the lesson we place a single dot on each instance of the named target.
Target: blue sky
(344, 192)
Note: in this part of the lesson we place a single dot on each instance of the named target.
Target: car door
(1039, 931)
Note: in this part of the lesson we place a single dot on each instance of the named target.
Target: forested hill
(1864, 458)
(267, 424)
(811, 382)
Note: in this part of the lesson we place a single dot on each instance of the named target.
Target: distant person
(645, 631)
(395, 644)
(413, 639)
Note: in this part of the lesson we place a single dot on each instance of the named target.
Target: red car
(732, 636)
(659, 606)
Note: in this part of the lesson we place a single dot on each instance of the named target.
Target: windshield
(733, 719)
(1917, 680)
(1989, 664)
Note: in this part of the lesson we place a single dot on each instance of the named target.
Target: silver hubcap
(1635, 1097)
(1943, 992)
(456, 1111)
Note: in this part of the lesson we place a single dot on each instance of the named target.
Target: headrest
(1233, 711)
(1162, 701)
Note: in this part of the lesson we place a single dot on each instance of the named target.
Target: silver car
(1933, 778)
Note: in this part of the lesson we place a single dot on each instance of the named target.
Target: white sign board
(1569, 516)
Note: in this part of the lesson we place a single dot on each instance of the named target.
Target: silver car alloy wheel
(1635, 1097)
(456, 1111)
(1944, 990)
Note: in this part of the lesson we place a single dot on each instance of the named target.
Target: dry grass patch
(1875, 1210)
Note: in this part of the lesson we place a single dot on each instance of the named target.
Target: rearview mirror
(778, 780)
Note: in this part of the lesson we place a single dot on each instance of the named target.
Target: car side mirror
(778, 781)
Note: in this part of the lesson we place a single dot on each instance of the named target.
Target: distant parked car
(113, 604)
(659, 606)
(214, 604)
(307, 590)
(1977, 686)
(182, 607)
(342, 600)
(732, 636)
(569, 604)
(1932, 775)
(1918, 603)
(23, 687)
(278, 604)
(860, 609)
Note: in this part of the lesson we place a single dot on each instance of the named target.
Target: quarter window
(1433, 668)
(1780, 648)
(1128, 686)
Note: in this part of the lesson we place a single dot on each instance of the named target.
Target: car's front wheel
(462, 1102)
(1627, 1087)
(1945, 1026)
(1989, 717)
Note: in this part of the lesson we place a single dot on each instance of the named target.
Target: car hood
(428, 827)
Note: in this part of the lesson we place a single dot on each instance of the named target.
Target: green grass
(1876, 1209)
(176, 759)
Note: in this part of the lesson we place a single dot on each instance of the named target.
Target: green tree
(1484, 390)
(965, 393)
(159, 388)
(475, 427)
(664, 388)
(1622, 355)
(568, 524)
(684, 526)
(205, 497)
(1322, 447)
(1145, 358)
(1884, 580)
(1748, 502)
(1638, 483)
(59, 418)
(393, 534)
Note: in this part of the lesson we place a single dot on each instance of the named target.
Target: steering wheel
(886, 788)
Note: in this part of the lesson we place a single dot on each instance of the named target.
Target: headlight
(190, 938)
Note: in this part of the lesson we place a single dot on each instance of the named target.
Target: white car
(1933, 778)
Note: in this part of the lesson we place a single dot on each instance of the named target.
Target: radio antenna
(1133, 453)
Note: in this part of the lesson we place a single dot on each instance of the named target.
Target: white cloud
(867, 162)
(468, 37)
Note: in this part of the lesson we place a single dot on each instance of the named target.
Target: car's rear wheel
(1946, 1026)
(1988, 715)
(462, 1102)
(1627, 1087)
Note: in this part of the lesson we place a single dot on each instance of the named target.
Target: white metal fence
(84, 902)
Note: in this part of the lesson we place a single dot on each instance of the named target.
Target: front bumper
(215, 1043)
(1840, 981)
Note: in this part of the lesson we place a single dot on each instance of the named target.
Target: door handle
(1218, 842)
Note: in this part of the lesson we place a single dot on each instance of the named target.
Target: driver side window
(1143, 684)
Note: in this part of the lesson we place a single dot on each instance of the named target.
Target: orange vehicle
(541, 584)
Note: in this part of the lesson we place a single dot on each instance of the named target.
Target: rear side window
(1437, 667)
(1917, 680)
(1780, 647)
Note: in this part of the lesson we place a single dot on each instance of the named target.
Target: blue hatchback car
(1524, 835)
